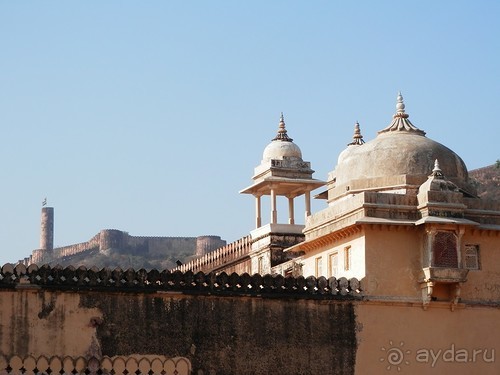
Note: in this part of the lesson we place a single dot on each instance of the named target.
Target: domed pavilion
(402, 217)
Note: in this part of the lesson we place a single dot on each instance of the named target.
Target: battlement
(71, 278)
(117, 239)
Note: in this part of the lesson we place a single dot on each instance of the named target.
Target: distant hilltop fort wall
(116, 239)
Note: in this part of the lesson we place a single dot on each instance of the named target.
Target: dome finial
(400, 106)
(437, 172)
(357, 138)
(400, 121)
(282, 136)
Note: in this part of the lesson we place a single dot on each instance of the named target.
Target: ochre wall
(393, 261)
(229, 335)
(484, 284)
(357, 262)
(46, 323)
(249, 335)
(436, 341)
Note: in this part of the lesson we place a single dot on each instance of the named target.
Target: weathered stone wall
(223, 324)
(242, 335)
(86, 321)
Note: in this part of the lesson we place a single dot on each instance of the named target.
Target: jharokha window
(444, 249)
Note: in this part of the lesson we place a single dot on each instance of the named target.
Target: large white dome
(401, 155)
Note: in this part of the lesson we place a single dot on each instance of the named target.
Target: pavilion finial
(357, 138)
(400, 121)
(282, 135)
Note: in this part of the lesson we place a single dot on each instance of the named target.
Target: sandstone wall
(224, 324)
(83, 321)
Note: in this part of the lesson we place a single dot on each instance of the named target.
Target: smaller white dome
(279, 150)
(282, 146)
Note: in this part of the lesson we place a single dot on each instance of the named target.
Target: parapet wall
(56, 320)
(92, 244)
(221, 324)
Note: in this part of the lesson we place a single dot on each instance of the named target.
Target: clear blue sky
(149, 116)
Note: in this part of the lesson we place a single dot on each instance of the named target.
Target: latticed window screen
(472, 257)
(444, 249)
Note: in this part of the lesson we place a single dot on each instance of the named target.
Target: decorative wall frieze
(119, 365)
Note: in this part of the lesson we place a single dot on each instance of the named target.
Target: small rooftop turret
(282, 172)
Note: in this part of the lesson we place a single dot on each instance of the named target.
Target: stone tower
(47, 229)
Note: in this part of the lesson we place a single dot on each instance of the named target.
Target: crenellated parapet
(118, 280)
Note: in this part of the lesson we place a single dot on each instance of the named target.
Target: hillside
(487, 181)
(122, 258)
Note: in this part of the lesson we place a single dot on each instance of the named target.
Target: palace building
(400, 271)
(399, 207)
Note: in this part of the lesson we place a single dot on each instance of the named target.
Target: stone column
(258, 220)
(291, 215)
(307, 196)
(274, 213)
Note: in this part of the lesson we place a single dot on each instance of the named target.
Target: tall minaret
(47, 228)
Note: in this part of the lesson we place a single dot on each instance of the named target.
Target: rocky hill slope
(487, 181)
